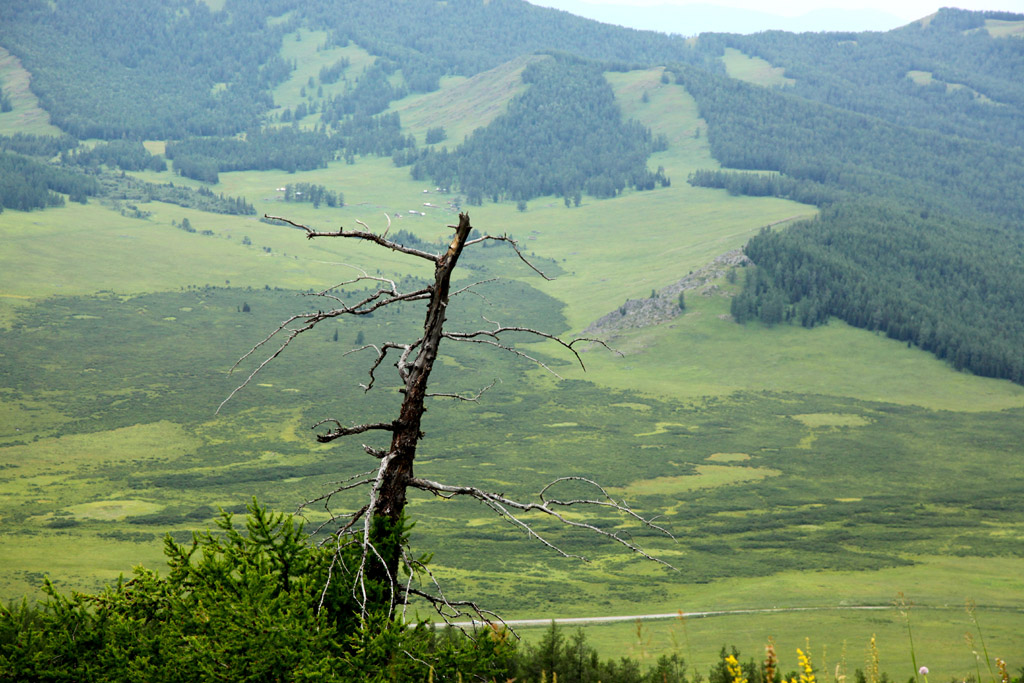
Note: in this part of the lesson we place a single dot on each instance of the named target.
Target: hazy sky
(901, 11)
(906, 9)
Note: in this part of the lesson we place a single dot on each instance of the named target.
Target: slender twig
(503, 347)
(515, 246)
(471, 399)
(501, 504)
(359, 234)
(440, 602)
(468, 288)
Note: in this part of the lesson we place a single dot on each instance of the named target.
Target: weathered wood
(382, 553)
(407, 432)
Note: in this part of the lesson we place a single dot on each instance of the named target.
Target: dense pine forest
(580, 145)
(922, 239)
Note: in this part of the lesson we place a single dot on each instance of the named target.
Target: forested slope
(170, 68)
(581, 144)
(976, 91)
(147, 69)
(916, 132)
(923, 240)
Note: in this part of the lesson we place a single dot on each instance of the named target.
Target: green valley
(827, 424)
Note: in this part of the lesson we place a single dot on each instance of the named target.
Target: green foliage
(121, 187)
(255, 604)
(572, 660)
(757, 128)
(916, 279)
(37, 145)
(287, 149)
(102, 69)
(364, 134)
(262, 605)
(766, 185)
(371, 95)
(435, 135)
(856, 134)
(124, 154)
(873, 70)
(146, 69)
(27, 184)
(581, 143)
(313, 194)
(331, 74)
(422, 46)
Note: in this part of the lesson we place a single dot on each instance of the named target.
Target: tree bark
(407, 433)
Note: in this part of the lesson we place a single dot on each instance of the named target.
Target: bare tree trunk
(407, 433)
(383, 552)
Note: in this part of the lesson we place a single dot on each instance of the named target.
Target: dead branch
(355, 481)
(382, 352)
(388, 482)
(501, 504)
(365, 307)
(510, 349)
(500, 329)
(368, 548)
(468, 288)
(449, 609)
(514, 245)
(359, 234)
(363, 276)
(349, 431)
(338, 556)
(470, 399)
(445, 608)
(608, 501)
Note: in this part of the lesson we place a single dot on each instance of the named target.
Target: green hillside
(857, 436)
(920, 177)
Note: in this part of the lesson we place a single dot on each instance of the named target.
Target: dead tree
(389, 481)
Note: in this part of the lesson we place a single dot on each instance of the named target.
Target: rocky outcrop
(664, 304)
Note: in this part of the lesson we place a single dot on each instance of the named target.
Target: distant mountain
(697, 18)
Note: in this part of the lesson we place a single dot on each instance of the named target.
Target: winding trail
(671, 615)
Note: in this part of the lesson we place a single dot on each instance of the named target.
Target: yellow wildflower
(735, 672)
(806, 670)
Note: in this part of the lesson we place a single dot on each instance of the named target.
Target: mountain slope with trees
(916, 130)
(923, 239)
(147, 69)
(170, 68)
(578, 144)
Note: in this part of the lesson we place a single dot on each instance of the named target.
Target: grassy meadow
(796, 468)
(26, 116)
(753, 69)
